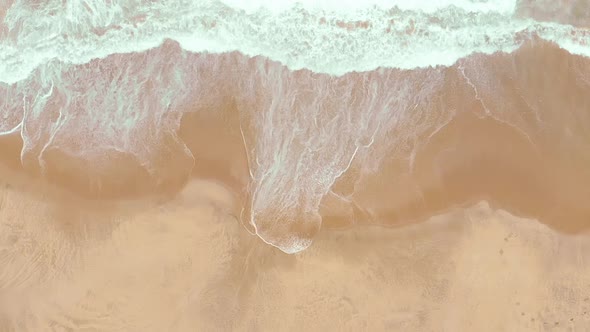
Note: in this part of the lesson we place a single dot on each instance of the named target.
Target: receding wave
(384, 113)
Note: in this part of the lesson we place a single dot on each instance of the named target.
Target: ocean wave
(316, 36)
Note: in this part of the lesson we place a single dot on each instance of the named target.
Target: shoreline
(16, 178)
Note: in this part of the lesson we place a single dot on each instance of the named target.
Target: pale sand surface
(188, 265)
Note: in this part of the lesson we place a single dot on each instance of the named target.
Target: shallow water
(385, 146)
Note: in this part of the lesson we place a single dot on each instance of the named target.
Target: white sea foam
(332, 37)
(347, 6)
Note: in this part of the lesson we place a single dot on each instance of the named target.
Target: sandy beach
(187, 264)
(282, 166)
